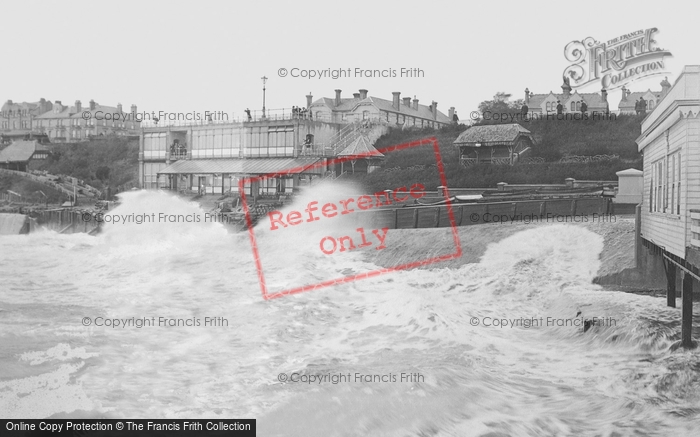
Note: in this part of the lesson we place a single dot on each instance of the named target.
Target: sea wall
(617, 255)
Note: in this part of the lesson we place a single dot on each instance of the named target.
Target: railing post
(670, 283)
(461, 215)
(437, 217)
(415, 218)
(687, 312)
(396, 218)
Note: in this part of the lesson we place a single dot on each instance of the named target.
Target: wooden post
(543, 208)
(415, 218)
(687, 312)
(396, 218)
(573, 207)
(670, 284)
(461, 215)
(437, 217)
(638, 248)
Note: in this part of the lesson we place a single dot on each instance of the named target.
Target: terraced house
(396, 112)
(55, 122)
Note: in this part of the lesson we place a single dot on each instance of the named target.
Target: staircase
(348, 134)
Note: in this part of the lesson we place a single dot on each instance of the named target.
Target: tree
(102, 173)
(492, 110)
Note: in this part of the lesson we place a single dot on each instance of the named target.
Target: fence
(65, 221)
(480, 213)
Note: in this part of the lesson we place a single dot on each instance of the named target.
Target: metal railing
(234, 117)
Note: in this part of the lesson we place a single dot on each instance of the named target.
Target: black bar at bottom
(127, 427)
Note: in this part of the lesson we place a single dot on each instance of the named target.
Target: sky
(187, 56)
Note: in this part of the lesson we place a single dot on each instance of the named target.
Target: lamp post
(264, 79)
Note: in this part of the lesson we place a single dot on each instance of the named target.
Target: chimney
(58, 102)
(396, 100)
(415, 103)
(527, 96)
(119, 107)
(434, 108)
(92, 105)
(566, 88)
(451, 112)
(665, 87)
(624, 94)
(337, 97)
(356, 95)
(133, 109)
(604, 95)
(309, 97)
(407, 102)
(363, 94)
(9, 102)
(78, 106)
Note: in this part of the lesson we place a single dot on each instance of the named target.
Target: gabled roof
(361, 147)
(98, 108)
(593, 100)
(66, 112)
(19, 151)
(633, 97)
(491, 135)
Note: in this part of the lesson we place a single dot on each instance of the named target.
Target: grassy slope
(554, 140)
(29, 189)
(81, 160)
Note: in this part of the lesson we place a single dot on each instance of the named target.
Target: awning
(251, 166)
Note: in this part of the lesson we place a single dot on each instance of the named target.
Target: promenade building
(669, 231)
(211, 157)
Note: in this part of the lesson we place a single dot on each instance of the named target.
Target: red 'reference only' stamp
(315, 211)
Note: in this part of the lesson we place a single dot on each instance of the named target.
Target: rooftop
(491, 135)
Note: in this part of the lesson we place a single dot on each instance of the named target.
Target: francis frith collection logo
(615, 62)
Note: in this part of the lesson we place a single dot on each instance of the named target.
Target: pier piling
(687, 312)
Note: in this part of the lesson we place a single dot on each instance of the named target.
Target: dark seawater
(617, 379)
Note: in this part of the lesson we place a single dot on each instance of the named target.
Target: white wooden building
(670, 144)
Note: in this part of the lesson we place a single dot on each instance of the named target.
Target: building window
(659, 188)
(673, 187)
(365, 115)
(651, 104)
(573, 106)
